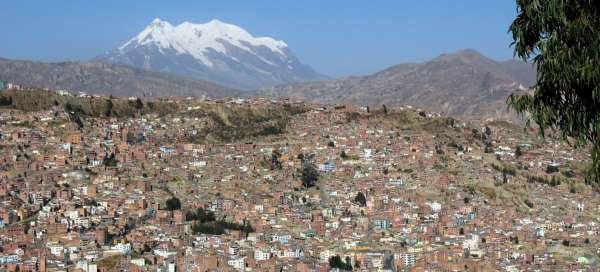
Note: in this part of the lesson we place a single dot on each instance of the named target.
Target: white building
(237, 263)
(124, 248)
(261, 255)
(139, 262)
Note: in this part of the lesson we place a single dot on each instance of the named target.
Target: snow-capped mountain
(215, 51)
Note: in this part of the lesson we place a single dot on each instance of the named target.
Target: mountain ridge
(108, 79)
(462, 84)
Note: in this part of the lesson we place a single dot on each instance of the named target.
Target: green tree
(139, 104)
(5, 101)
(488, 148)
(563, 39)
(310, 174)
(109, 108)
(337, 262)
(201, 215)
(360, 199)
(110, 161)
(518, 151)
(275, 162)
(173, 203)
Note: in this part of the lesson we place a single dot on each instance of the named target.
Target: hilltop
(462, 84)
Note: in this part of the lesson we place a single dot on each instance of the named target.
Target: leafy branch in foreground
(562, 38)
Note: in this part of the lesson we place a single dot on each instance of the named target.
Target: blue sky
(337, 38)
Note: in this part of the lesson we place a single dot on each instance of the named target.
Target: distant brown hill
(108, 79)
(463, 84)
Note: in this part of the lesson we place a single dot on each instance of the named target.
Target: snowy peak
(155, 32)
(157, 21)
(216, 51)
(199, 39)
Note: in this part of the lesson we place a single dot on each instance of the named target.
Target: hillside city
(96, 183)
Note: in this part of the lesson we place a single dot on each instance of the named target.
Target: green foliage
(110, 161)
(563, 40)
(310, 175)
(173, 203)
(552, 169)
(554, 181)
(207, 223)
(275, 162)
(352, 116)
(477, 134)
(337, 262)
(518, 152)
(343, 155)
(488, 148)
(218, 227)
(271, 130)
(137, 103)
(360, 199)
(5, 101)
(505, 170)
(200, 215)
(109, 108)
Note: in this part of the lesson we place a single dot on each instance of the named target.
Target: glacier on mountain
(215, 51)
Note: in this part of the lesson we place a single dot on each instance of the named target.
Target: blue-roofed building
(2, 85)
(309, 233)
(6, 259)
(327, 167)
(167, 150)
(472, 215)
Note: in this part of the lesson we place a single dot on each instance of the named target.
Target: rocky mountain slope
(215, 51)
(101, 78)
(463, 84)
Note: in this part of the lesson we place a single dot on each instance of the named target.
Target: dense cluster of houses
(94, 199)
